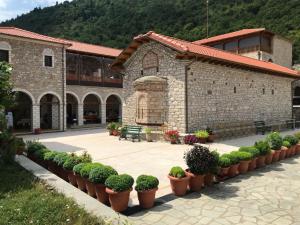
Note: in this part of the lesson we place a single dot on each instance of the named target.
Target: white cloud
(3, 4)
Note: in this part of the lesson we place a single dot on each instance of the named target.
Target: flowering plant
(173, 135)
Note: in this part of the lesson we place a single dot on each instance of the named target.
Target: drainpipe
(186, 68)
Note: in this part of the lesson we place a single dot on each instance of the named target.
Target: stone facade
(215, 93)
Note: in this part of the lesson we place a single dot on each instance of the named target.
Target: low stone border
(90, 204)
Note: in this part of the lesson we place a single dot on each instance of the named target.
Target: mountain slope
(115, 22)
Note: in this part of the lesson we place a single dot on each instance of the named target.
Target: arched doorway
(113, 109)
(49, 112)
(21, 113)
(91, 109)
(72, 110)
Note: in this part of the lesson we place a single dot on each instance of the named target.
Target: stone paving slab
(270, 195)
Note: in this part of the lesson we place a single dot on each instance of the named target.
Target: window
(231, 46)
(266, 44)
(249, 44)
(4, 55)
(218, 46)
(48, 61)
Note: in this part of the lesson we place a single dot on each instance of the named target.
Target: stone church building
(224, 82)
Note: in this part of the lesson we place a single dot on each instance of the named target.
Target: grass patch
(25, 200)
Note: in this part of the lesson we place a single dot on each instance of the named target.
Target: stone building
(60, 83)
(189, 86)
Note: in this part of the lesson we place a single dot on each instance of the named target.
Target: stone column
(56, 112)
(35, 117)
(103, 113)
(80, 114)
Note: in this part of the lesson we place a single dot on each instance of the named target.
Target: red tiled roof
(73, 45)
(203, 51)
(229, 35)
(93, 49)
(13, 31)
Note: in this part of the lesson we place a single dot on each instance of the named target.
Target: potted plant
(297, 137)
(293, 140)
(211, 136)
(178, 180)
(79, 180)
(20, 144)
(98, 176)
(60, 159)
(213, 169)
(190, 139)
(265, 153)
(37, 131)
(202, 136)
(284, 149)
(199, 160)
(122, 132)
(146, 187)
(39, 157)
(244, 159)
(49, 157)
(173, 136)
(224, 164)
(68, 165)
(33, 146)
(118, 188)
(233, 170)
(112, 128)
(255, 155)
(85, 173)
(148, 132)
(275, 142)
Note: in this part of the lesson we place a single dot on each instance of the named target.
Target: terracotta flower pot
(115, 133)
(288, 152)
(63, 174)
(90, 187)
(146, 198)
(173, 141)
(269, 158)
(209, 179)
(211, 138)
(101, 194)
(261, 161)
(195, 181)
(110, 132)
(252, 164)
(224, 172)
(72, 178)
(243, 167)
(283, 153)
(202, 140)
(179, 185)
(276, 155)
(52, 167)
(118, 200)
(297, 149)
(233, 170)
(293, 150)
(80, 182)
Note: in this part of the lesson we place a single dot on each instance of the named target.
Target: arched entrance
(49, 112)
(72, 110)
(113, 109)
(91, 109)
(21, 113)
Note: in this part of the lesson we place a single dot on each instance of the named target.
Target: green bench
(134, 132)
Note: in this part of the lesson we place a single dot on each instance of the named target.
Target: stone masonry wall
(212, 98)
(282, 51)
(168, 67)
(30, 75)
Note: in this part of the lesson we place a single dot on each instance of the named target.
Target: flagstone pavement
(270, 195)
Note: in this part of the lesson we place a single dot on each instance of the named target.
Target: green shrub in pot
(86, 169)
(291, 139)
(119, 183)
(40, 153)
(49, 156)
(77, 168)
(177, 172)
(263, 147)
(251, 149)
(233, 158)
(33, 146)
(60, 158)
(224, 162)
(99, 174)
(286, 144)
(85, 157)
(275, 141)
(71, 161)
(146, 182)
(201, 134)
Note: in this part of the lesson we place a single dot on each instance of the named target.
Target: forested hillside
(115, 22)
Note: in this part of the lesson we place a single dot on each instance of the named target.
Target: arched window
(5, 50)
(48, 58)
(150, 60)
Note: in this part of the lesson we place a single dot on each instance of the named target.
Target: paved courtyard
(133, 158)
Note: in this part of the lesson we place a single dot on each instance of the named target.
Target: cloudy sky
(11, 8)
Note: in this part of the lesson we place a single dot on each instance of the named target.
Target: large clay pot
(211, 138)
(80, 182)
(52, 167)
(101, 194)
(202, 140)
(72, 178)
(293, 150)
(252, 164)
(261, 161)
(179, 186)
(146, 198)
(283, 153)
(209, 179)
(276, 155)
(224, 172)
(243, 167)
(233, 170)
(63, 174)
(269, 158)
(195, 181)
(288, 152)
(297, 149)
(118, 200)
(90, 187)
